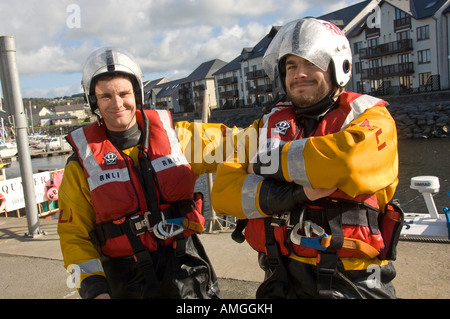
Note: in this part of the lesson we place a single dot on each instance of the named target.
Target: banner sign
(12, 190)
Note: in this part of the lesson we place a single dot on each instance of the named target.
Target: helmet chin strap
(320, 109)
(99, 117)
(309, 117)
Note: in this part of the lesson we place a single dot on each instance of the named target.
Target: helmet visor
(106, 60)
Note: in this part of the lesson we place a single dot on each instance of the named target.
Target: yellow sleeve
(205, 145)
(234, 191)
(360, 159)
(76, 220)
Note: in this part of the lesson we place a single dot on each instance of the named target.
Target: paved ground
(33, 268)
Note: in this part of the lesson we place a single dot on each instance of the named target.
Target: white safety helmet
(111, 60)
(317, 41)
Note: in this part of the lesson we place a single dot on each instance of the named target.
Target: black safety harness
(331, 214)
(133, 225)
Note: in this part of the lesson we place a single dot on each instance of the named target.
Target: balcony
(162, 104)
(227, 81)
(402, 23)
(256, 74)
(372, 32)
(388, 70)
(200, 87)
(184, 91)
(386, 48)
(228, 94)
(199, 98)
(260, 89)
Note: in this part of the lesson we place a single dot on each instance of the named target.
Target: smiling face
(116, 103)
(306, 84)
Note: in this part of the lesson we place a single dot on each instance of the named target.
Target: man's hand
(103, 296)
(250, 169)
(314, 194)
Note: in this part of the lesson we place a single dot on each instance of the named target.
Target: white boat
(427, 227)
(8, 149)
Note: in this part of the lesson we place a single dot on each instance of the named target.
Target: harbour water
(417, 157)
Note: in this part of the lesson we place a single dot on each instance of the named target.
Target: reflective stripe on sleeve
(296, 163)
(248, 196)
(91, 266)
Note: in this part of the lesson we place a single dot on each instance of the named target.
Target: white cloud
(168, 36)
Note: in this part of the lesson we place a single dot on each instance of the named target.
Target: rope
(426, 240)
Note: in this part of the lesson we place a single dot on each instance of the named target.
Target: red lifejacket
(115, 187)
(280, 127)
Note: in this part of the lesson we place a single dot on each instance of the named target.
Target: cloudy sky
(170, 38)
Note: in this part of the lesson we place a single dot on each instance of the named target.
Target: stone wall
(423, 120)
(424, 115)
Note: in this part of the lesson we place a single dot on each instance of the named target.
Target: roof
(205, 70)
(344, 16)
(58, 117)
(418, 9)
(250, 52)
(168, 88)
(151, 84)
(231, 66)
(425, 8)
(69, 108)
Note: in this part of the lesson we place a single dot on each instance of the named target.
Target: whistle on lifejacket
(52, 191)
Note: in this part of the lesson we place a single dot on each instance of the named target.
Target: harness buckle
(280, 219)
(313, 235)
(139, 224)
(168, 229)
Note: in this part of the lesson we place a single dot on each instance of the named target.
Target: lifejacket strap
(326, 269)
(334, 219)
(275, 259)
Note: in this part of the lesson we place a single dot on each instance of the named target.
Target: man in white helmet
(314, 194)
(128, 213)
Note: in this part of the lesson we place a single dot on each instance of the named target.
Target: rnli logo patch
(282, 127)
(110, 158)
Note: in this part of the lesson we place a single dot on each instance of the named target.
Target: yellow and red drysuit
(353, 148)
(102, 187)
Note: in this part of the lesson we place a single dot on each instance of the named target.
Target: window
(361, 87)
(423, 33)
(405, 82)
(371, 43)
(403, 58)
(375, 85)
(430, 5)
(375, 63)
(357, 46)
(403, 35)
(424, 78)
(399, 14)
(357, 67)
(424, 56)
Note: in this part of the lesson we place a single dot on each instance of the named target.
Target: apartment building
(401, 47)
(199, 87)
(243, 82)
(186, 94)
